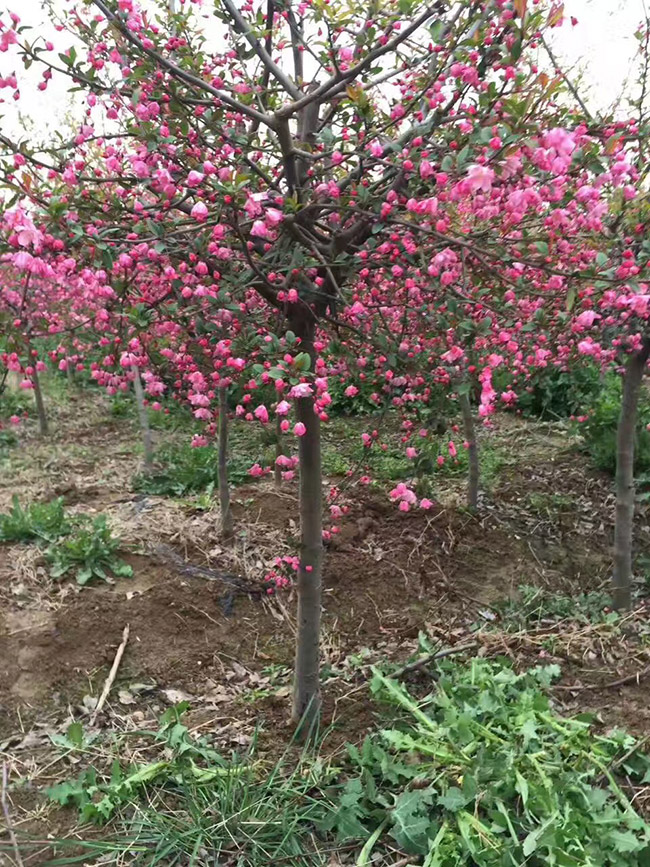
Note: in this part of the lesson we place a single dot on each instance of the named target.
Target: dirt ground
(389, 576)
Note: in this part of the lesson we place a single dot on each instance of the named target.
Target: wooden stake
(111, 675)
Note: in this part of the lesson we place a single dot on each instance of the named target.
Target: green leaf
(75, 734)
(625, 841)
(453, 799)
(522, 787)
(411, 820)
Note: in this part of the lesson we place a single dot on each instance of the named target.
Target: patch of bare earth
(203, 627)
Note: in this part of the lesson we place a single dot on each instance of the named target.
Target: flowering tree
(312, 147)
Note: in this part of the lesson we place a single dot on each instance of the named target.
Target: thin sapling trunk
(144, 419)
(279, 451)
(43, 426)
(222, 466)
(624, 527)
(469, 427)
(306, 697)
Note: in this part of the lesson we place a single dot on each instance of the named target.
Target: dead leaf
(125, 697)
(174, 696)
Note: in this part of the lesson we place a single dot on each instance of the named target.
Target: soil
(388, 577)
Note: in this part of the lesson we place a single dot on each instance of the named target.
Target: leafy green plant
(551, 393)
(534, 605)
(189, 802)
(40, 521)
(8, 439)
(483, 772)
(90, 551)
(598, 431)
(184, 470)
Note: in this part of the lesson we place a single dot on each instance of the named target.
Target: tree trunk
(279, 451)
(306, 696)
(472, 451)
(222, 467)
(624, 528)
(144, 419)
(43, 426)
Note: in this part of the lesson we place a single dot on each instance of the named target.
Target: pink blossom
(256, 471)
(14, 419)
(426, 504)
(194, 178)
(303, 389)
(452, 449)
(260, 229)
(261, 413)
(299, 429)
(411, 452)
(587, 319)
(479, 178)
(283, 407)
(351, 391)
(199, 211)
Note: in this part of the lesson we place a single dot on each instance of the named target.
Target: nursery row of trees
(260, 198)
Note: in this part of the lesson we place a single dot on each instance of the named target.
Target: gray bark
(227, 529)
(470, 435)
(145, 430)
(43, 426)
(624, 527)
(279, 451)
(306, 697)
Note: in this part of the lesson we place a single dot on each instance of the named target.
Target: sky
(601, 47)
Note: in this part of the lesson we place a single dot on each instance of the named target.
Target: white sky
(602, 46)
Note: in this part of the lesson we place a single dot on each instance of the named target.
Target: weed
(484, 772)
(184, 470)
(599, 430)
(8, 439)
(89, 552)
(190, 805)
(480, 771)
(535, 605)
(40, 521)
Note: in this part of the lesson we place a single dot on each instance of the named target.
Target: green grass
(535, 605)
(37, 521)
(75, 544)
(479, 772)
(181, 469)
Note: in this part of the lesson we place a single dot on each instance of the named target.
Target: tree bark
(227, 528)
(624, 527)
(472, 451)
(279, 451)
(144, 419)
(306, 687)
(43, 426)
(306, 696)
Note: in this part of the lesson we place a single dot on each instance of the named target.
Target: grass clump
(535, 606)
(182, 469)
(37, 521)
(75, 544)
(481, 772)
(191, 805)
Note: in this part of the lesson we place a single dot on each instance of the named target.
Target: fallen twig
(430, 657)
(630, 678)
(111, 675)
(7, 815)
